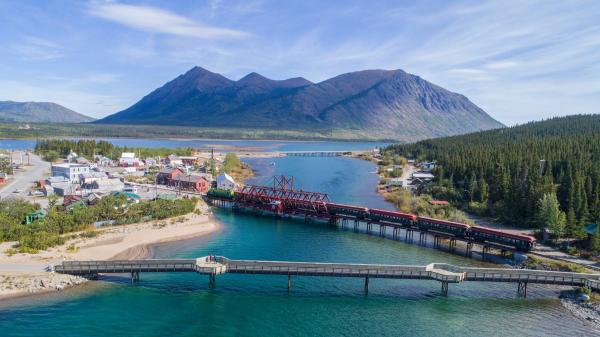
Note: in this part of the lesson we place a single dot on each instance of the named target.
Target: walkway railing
(442, 272)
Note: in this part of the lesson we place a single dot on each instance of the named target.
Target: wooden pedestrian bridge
(441, 272)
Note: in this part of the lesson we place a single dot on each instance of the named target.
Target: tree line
(52, 149)
(49, 231)
(521, 173)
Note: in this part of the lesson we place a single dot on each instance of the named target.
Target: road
(24, 178)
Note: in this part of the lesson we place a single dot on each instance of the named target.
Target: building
(225, 182)
(151, 162)
(191, 182)
(423, 176)
(87, 179)
(189, 161)
(82, 160)
(69, 171)
(72, 157)
(164, 177)
(427, 165)
(173, 160)
(128, 159)
(103, 161)
(107, 186)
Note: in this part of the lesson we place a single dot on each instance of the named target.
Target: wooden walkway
(441, 272)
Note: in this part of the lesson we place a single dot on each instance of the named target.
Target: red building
(191, 182)
(165, 177)
(186, 182)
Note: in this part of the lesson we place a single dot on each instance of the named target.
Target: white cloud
(33, 48)
(156, 20)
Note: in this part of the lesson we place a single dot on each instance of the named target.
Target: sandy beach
(22, 274)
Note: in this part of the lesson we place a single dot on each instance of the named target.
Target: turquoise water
(247, 305)
(260, 145)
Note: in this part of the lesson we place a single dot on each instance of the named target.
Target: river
(253, 305)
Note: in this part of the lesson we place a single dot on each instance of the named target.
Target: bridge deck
(436, 271)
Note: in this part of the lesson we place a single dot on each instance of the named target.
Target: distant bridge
(441, 272)
(316, 153)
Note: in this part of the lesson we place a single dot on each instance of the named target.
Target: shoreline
(22, 274)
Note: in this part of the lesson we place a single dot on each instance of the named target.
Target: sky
(518, 60)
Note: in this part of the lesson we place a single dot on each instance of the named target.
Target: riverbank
(588, 311)
(23, 274)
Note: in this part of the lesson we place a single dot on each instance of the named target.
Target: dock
(441, 272)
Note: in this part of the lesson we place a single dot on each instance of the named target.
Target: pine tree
(550, 216)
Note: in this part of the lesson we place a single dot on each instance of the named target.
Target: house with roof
(173, 160)
(191, 182)
(189, 160)
(165, 176)
(128, 159)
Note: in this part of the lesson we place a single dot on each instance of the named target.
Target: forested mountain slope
(506, 172)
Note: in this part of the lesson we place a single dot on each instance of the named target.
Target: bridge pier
(522, 289)
(344, 222)
(366, 285)
(381, 230)
(395, 233)
(212, 280)
(422, 239)
(369, 227)
(484, 251)
(356, 224)
(469, 252)
(289, 282)
(408, 236)
(444, 288)
(452, 246)
(135, 276)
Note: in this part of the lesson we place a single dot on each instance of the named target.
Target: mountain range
(39, 112)
(390, 104)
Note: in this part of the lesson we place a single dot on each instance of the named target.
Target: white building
(128, 159)
(225, 182)
(423, 176)
(69, 171)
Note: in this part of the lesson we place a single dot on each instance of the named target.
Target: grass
(534, 262)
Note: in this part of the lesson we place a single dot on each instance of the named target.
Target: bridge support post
(522, 289)
(366, 285)
(356, 224)
(452, 245)
(484, 251)
(369, 227)
(469, 249)
(289, 282)
(211, 281)
(135, 276)
(422, 238)
(381, 230)
(444, 288)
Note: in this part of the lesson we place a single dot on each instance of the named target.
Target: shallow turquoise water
(246, 305)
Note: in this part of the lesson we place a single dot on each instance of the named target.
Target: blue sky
(518, 60)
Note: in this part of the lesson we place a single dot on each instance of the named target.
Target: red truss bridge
(282, 200)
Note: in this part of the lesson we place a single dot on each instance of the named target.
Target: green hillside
(506, 172)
